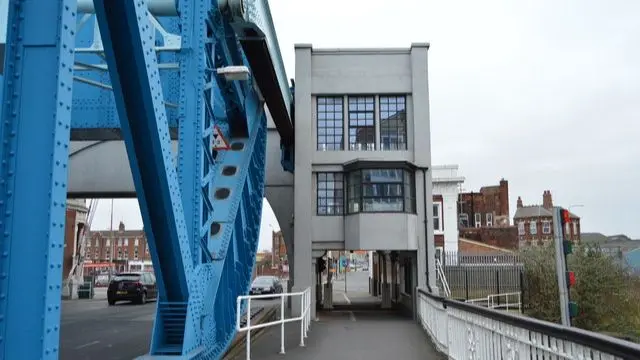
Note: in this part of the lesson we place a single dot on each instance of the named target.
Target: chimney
(547, 203)
(504, 198)
(519, 202)
(121, 226)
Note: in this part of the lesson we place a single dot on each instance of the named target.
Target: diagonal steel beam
(128, 39)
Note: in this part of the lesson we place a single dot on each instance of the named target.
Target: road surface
(93, 330)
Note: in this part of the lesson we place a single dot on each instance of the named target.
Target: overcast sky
(544, 93)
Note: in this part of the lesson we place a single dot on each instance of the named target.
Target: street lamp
(572, 206)
(232, 73)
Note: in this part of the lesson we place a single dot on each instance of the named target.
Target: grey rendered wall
(422, 148)
(302, 181)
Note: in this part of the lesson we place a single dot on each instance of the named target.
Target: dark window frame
(399, 102)
(338, 205)
(357, 117)
(356, 183)
(337, 131)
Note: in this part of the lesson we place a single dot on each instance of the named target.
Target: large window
(330, 123)
(330, 189)
(393, 123)
(362, 130)
(381, 190)
(437, 219)
(464, 220)
(533, 228)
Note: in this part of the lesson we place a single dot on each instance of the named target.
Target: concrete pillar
(386, 287)
(327, 302)
(394, 276)
(421, 141)
(303, 270)
(318, 282)
(450, 223)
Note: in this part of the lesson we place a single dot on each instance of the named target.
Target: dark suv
(136, 286)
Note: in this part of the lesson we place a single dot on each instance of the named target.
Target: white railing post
(282, 325)
(302, 320)
(307, 313)
(248, 339)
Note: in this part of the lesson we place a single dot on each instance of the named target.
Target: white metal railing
(504, 301)
(501, 301)
(466, 331)
(443, 278)
(304, 318)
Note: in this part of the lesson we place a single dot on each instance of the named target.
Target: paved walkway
(373, 335)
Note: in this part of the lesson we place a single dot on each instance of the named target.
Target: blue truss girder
(128, 43)
(194, 161)
(36, 115)
(196, 311)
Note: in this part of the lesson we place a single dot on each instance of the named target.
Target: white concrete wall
(302, 250)
(344, 72)
(369, 231)
(446, 182)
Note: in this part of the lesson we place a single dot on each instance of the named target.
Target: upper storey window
(362, 130)
(393, 123)
(330, 191)
(330, 123)
(381, 190)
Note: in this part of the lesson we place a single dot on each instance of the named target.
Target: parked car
(134, 286)
(266, 285)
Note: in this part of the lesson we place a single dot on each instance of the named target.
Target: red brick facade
(504, 237)
(487, 208)
(477, 248)
(69, 242)
(119, 245)
(534, 223)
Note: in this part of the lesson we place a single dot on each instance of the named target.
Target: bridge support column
(34, 153)
(394, 276)
(318, 286)
(386, 288)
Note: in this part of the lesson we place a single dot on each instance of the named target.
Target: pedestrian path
(353, 335)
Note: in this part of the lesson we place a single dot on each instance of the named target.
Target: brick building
(535, 224)
(278, 247)
(75, 218)
(487, 208)
(118, 247)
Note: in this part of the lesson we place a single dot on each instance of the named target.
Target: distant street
(93, 330)
(357, 290)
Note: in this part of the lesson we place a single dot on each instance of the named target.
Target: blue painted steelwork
(36, 115)
(203, 220)
(202, 217)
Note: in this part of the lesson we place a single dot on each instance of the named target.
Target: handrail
(533, 328)
(304, 318)
(443, 278)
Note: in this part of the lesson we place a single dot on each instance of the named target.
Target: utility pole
(561, 267)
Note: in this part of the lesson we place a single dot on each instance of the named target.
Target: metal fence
(472, 276)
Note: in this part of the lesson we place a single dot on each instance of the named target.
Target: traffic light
(571, 279)
(573, 309)
(322, 265)
(566, 246)
(565, 218)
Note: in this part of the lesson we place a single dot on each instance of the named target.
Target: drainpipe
(426, 231)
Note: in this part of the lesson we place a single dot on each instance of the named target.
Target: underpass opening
(366, 280)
